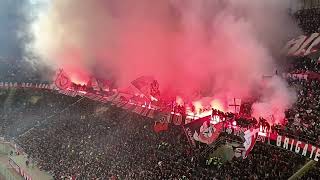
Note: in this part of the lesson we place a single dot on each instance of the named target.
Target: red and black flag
(202, 130)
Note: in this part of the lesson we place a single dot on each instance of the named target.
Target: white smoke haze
(223, 47)
(277, 98)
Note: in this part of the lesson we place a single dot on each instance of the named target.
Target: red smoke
(194, 48)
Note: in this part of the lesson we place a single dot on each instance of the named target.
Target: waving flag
(202, 130)
(250, 137)
(143, 84)
(93, 83)
(62, 81)
(208, 132)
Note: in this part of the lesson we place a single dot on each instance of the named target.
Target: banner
(296, 75)
(296, 146)
(26, 85)
(202, 130)
(235, 130)
(250, 137)
(306, 75)
(303, 45)
(314, 75)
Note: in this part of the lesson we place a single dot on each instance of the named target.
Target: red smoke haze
(220, 49)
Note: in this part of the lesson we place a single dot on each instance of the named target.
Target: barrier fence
(19, 170)
(6, 147)
(7, 174)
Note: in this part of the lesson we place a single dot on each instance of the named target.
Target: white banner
(26, 85)
(303, 45)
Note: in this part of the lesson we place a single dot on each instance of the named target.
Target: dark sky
(12, 21)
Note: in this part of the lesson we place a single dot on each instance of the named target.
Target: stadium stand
(77, 142)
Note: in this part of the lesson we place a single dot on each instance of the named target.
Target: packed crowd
(22, 71)
(304, 65)
(22, 109)
(72, 138)
(122, 145)
(303, 118)
(308, 20)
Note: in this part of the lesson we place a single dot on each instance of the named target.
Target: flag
(202, 130)
(143, 84)
(62, 80)
(160, 126)
(93, 83)
(250, 137)
(105, 85)
(208, 132)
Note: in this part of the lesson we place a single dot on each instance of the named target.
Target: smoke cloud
(276, 98)
(12, 20)
(221, 48)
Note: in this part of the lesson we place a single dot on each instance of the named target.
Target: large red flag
(62, 81)
(203, 130)
(208, 132)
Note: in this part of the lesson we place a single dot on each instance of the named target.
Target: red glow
(77, 80)
(198, 106)
(217, 104)
(179, 101)
(77, 74)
